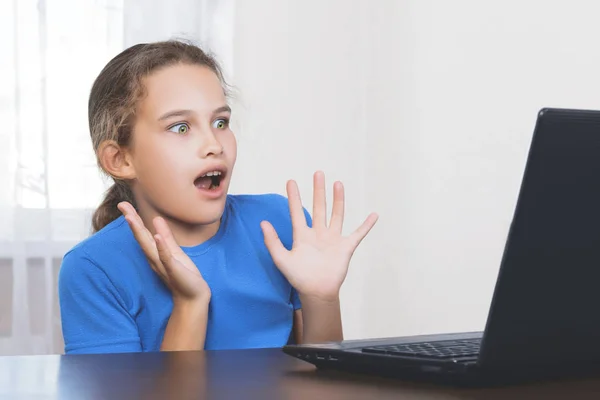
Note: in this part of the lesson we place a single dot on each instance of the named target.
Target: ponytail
(107, 212)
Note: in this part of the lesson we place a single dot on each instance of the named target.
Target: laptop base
(464, 375)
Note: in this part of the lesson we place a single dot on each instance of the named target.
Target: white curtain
(50, 53)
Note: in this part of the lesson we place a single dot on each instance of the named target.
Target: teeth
(212, 173)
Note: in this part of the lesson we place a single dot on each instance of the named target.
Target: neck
(185, 234)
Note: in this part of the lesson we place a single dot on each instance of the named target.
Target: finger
(295, 204)
(276, 249)
(162, 228)
(166, 257)
(131, 215)
(125, 207)
(149, 249)
(172, 251)
(337, 212)
(359, 234)
(163, 268)
(319, 200)
(143, 237)
(128, 210)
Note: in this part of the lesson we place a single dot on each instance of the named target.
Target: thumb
(273, 243)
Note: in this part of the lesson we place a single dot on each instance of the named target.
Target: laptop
(544, 317)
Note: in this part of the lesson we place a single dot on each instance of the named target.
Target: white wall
(299, 70)
(425, 110)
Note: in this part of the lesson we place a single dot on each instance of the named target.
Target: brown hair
(115, 95)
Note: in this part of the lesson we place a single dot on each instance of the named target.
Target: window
(52, 52)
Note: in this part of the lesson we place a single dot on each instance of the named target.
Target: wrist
(321, 318)
(324, 299)
(191, 306)
(186, 329)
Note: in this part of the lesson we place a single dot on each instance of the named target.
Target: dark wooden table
(249, 374)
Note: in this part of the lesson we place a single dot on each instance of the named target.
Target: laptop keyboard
(447, 349)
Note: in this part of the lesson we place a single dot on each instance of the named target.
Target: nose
(209, 145)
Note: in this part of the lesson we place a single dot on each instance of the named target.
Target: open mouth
(210, 180)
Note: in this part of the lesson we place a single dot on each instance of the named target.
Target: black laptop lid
(546, 305)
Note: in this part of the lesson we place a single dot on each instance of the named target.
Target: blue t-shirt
(112, 301)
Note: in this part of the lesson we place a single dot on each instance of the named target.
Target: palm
(323, 264)
(317, 264)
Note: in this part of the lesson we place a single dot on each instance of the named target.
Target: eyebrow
(185, 113)
(222, 109)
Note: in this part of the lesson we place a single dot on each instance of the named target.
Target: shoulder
(100, 257)
(116, 231)
(94, 247)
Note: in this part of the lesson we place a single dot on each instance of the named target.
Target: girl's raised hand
(166, 258)
(318, 262)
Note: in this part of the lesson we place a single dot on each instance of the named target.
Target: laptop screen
(546, 305)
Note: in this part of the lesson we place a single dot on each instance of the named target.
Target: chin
(208, 212)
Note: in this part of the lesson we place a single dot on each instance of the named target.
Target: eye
(221, 123)
(181, 129)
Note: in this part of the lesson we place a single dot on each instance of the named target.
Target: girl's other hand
(318, 261)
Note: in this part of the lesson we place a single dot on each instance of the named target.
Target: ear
(116, 160)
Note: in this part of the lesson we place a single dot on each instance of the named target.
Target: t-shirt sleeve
(94, 316)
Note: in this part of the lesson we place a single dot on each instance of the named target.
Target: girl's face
(182, 150)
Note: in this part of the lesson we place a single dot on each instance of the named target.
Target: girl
(176, 263)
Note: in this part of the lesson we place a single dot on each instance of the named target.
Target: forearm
(186, 329)
(321, 320)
